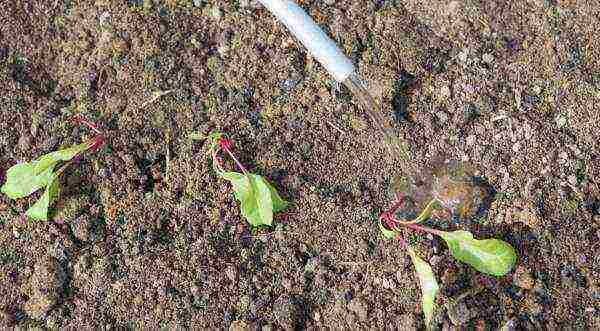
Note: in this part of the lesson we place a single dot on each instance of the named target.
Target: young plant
(25, 179)
(451, 191)
(258, 199)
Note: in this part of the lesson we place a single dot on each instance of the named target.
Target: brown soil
(146, 235)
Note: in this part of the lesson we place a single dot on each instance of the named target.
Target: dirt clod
(522, 278)
(44, 288)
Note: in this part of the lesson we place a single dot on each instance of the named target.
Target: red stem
(237, 162)
(81, 119)
(424, 229)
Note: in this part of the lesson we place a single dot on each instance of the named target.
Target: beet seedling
(258, 199)
(450, 191)
(24, 179)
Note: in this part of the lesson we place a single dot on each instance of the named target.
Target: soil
(146, 235)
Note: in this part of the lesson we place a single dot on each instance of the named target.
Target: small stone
(449, 277)
(561, 121)
(400, 277)
(463, 55)
(487, 58)
(522, 278)
(388, 284)
(459, 313)
(239, 326)
(444, 92)
(442, 117)
(347, 295)
(24, 142)
(231, 273)
(471, 140)
(317, 316)
(359, 307)
(287, 283)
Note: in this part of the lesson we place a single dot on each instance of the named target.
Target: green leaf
(388, 234)
(258, 199)
(39, 210)
(25, 178)
(22, 180)
(491, 256)
(240, 183)
(51, 159)
(278, 203)
(257, 208)
(429, 285)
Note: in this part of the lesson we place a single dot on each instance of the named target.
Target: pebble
(516, 147)
(317, 316)
(442, 117)
(444, 92)
(471, 140)
(24, 142)
(231, 273)
(449, 277)
(572, 180)
(561, 121)
(239, 326)
(522, 278)
(488, 58)
(459, 313)
(463, 55)
(388, 284)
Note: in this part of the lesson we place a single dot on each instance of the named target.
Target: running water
(408, 180)
(396, 146)
(448, 182)
(421, 185)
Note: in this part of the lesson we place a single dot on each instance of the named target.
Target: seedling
(258, 199)
(25, 179)
(451, 191)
